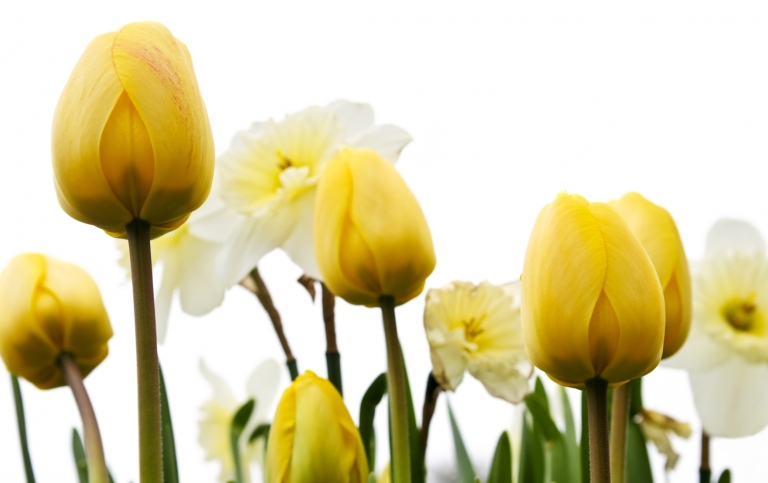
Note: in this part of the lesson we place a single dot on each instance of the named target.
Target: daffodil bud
(313, 437)
(592, 302)
(657, 232)
(131, 137)
(371, 237)
(49, 307)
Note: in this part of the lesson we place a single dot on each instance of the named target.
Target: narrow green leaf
(22, 424)
(372, 477)
(418, 469)
(539, 409)
(261, 431)
(638, 464)
(170, 466)
(532, 465)
(236, 428)
(368, 404)
(541, 392)
(569, 438)
(466, 472)
(501, 467)
(584, 445)
(725, 477)
(78, 452)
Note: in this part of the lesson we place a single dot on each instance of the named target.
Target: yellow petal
(156, 71)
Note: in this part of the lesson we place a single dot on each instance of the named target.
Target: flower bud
(313, 437)
(592, 302)
(656, 230)
(371, 237)
(131, 137)
(50, 307)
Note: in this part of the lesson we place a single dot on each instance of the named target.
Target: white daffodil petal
(449, 361)
(222, 394)
(262, 387)
(300, 244)
(164, 296)
(356, 117)
(731, 398)
(501, 377)
(387, 140)
(199, 289)
(699, 353)
(728, 236)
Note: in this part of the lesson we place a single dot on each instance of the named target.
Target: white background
(508, 105)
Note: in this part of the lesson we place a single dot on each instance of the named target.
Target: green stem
(94, 450)
(619, 424)
(401, 459)
(332, 356)
(428, 410)
(148, 368)
(705, 472)
(599, 459)
(22, 429)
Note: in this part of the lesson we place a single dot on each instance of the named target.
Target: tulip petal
(387, 140)
(156, 71)
(730, 398)
(633, 289)
(727, 236)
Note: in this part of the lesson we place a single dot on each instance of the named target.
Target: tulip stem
(705, 472)
(332, 356)
(147, 364)
(597, 407)
(94, 450)
(259, 289)
(401, 454)
(22, 429)
(430, 403)
(619, 424)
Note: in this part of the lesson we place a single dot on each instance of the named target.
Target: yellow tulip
(371, 237)
(657, 232)
(131, 137)
(592, 302)
(49, 307)
(313, 437)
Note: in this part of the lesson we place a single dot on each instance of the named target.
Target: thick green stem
(428, 410)
(705, 472)
(94, 450)
(22, 429)
(619, 424)
(599, 454)
(332, 356)
(401, 457)
(148, 368)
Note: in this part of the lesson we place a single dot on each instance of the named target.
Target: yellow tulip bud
(131, 137)
(371, 237)
(313, 437)
(592, 303)
(49, 307)
(657, 232)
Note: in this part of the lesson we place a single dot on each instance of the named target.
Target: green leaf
(418, 469)
(539, 409)
(22, 424)
(261, 431)
(372, 477)
(541, 392)
(170, 466)
(532, 465)
(368, 404)
(725, 477)
(78, 452)
(638, 464)
(584, 445)
(236, 428)
(569, 439)
(501, 467)
(466, 472)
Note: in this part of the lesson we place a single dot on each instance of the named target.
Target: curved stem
(397, 397)
(619, 423)
(599, 464)
(430, 402)
(147, 365)
(94, 450)
(332, 356)
(705, 472)
(30, 474)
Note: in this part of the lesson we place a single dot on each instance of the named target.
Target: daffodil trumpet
(401, 463)
(21, 420)
(597, 414)
(332, 355)
(147, 364)
(94, 450)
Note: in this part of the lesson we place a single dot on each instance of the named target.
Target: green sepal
(725, 477)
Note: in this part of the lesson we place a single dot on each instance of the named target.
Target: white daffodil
(270, 172)
(220, 409)
(477, 328)
(657, 428)
(726, 353)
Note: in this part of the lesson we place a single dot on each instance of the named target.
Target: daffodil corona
(592, 302)
(131, 138)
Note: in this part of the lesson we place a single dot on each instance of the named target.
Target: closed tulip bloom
(592, 302)
(47, 308)
(657, 232)
(131, 137)
(371, 237)
(313, 437)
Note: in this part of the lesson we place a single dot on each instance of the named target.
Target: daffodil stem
(332, 356)
(401, 462)
(22, 429)
(147, 364)
(705, 472)
(430, 402)
(259, 289)
(619, 424)
(94, 450)
(597, 406)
